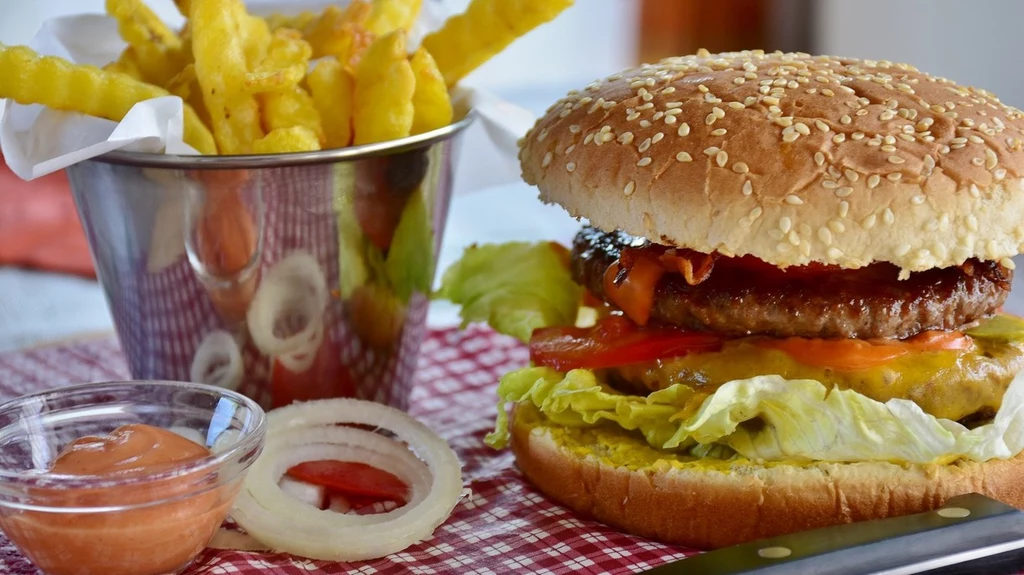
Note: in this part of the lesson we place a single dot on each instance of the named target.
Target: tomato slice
(634, 294)
(856, 354)
(614, 341)
(356, 481)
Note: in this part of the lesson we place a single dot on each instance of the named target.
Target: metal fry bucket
(287, 277)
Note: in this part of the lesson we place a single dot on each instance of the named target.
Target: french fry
(291, 108)
(157, 48)
(432, 108)
(185, 85)
(184, 7)
(285, 65)
(127, 63)
(486, 27)
(285, 140)
(389, 15)
(331, 87)
(28, 78)
(255, 36)
(335, 32)
(385, 83)
(297, 22)
(220, 64)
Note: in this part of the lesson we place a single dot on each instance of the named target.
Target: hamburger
(784, 309)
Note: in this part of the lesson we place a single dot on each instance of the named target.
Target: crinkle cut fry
(469, 39)
(28, 78)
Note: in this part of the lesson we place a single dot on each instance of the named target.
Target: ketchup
(139, 540)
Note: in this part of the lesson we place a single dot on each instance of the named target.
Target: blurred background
(46, 290)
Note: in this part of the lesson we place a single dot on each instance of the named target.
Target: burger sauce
(140, 540)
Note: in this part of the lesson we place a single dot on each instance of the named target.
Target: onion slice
(218, 361)
(310, 432)
(294, 287)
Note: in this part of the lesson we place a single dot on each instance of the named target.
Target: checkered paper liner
(504, 526)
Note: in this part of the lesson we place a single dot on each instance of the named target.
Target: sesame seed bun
(711, 507)
(789, 158)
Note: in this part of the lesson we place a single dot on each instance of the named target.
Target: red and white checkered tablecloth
(504, 527)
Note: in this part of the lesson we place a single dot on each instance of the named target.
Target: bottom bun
(619, 480)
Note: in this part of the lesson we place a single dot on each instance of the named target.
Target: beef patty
(744, 296)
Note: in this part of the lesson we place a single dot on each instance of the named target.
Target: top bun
(789, 158)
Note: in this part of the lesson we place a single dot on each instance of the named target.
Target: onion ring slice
(218, 361)
(309, 432)
(293, 285)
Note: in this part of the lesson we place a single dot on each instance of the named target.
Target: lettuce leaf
(516, 287)
(768, 418)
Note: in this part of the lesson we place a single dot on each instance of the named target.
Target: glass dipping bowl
(142, 524)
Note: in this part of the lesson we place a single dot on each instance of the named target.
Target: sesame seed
(835, 253)
(794, 200)
(721, 158)
(658, 115)
(845, 119)
(977, 161)
(829, 184)
(785, 224)
(755, 213)
(802, 128)
(1007, 263)
(570, 167)
(825, 236)
(894, 177)
(669, 90)
(888, 217)
(999, 174)
(857, 136)
(917, 200)
(630, 188)
(684, 130)
(670, 120)
(739, 80)
(588, 139)
(972, 222)
(975, 139)
(684, 157)
(719, 132)
(819, 158)
(736, 105)
(822, 126)
(564, 113)
(645, 124)
(644, 162)
(839, 138)
(896, 160)
(784, 121)
(834, 172)
(844, 191)
(718, 112)
(632, 117)
(929, 165)
(646, 106)
(975, 192)
(790, 137)
(547, 160)
(570, 149)
(888, 148)
(673, 112)
(740, 168)
(644, 146)
(851, 175)
(542, 135)
(902, 250)
(711, 150)
(626, 138)
(574, 129)
(710, 119)
(827, 92)
(844, 208)
(770, 100)
(702, 88)
(991, 160)
(869, 222)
